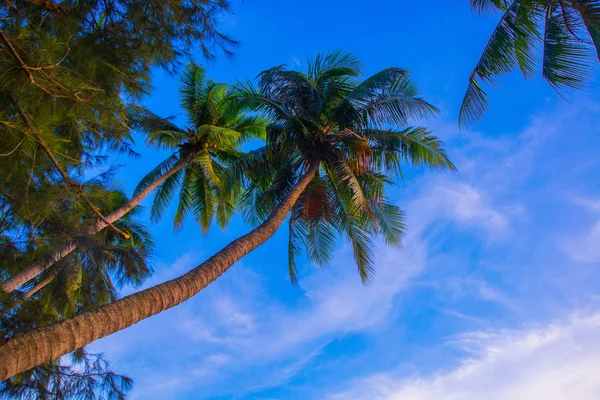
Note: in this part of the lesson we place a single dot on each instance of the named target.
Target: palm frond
(589, 10)
(566, 60)
(498, 57)
(157, 172)
(388, 97)
(251, 127)
(204, 160)
(296, 233)
(164, 194)
(390, 222)
(167, 139)
(204, 198)
(421, 148)
(335, 65)
(320, 241)
(190, 88)
(220, 137)
(527, 38)
(354, 224)
(339, 171)
(155, 127)
(210, 106)
(486, 5)
(186, 200)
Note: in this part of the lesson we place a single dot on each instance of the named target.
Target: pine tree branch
(75, 187)
(27, 69)
(21, 63)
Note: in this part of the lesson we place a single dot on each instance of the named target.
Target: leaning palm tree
(100, 265)
(218, 126)
(105, 257)
(87, 278)
(330, 130)
(561, 35)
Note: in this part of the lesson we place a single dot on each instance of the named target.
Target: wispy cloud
(477, 242)
(586, 247)
(236, 325)
(556, 362)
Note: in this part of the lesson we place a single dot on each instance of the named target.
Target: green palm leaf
(498, 57)
(186, 198)
(156, 172)
(164, 194)
(532, 32)
(191, 88)
(356, 132)
(589, 11)
(566, 60)
(390, 222)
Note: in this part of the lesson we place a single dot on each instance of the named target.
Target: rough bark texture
(27, 350)
(35, 269)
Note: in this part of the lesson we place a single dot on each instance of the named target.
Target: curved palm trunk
(35, 269)
(32, 348)
(41, 284)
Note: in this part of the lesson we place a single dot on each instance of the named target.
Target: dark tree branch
(75, 187)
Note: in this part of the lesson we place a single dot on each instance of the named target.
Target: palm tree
(561, 35)
(218, 124)
(87, 278)
(100, 264)
(333, 130)
(97, 260)
(199, 156)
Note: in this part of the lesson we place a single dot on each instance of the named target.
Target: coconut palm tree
(97, 261)
(218, 126)
(97, 268)
(87, 278)
(332, 131)
(561, 35)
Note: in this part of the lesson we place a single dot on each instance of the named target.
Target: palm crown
(218, 125)
(562, 35)
(356, 132)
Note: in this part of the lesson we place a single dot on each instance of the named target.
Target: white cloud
(335, 301)
(585, 248)
(558, 362)
(463, 204)
(237, 324)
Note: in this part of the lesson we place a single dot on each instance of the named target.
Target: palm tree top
(217, 125)
(356, 130)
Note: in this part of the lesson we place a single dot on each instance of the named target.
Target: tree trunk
(42, 284)
(39, 286)
(34, 270)
(47, 4)
(25, 351)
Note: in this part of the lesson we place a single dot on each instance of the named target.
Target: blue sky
(495, 292)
